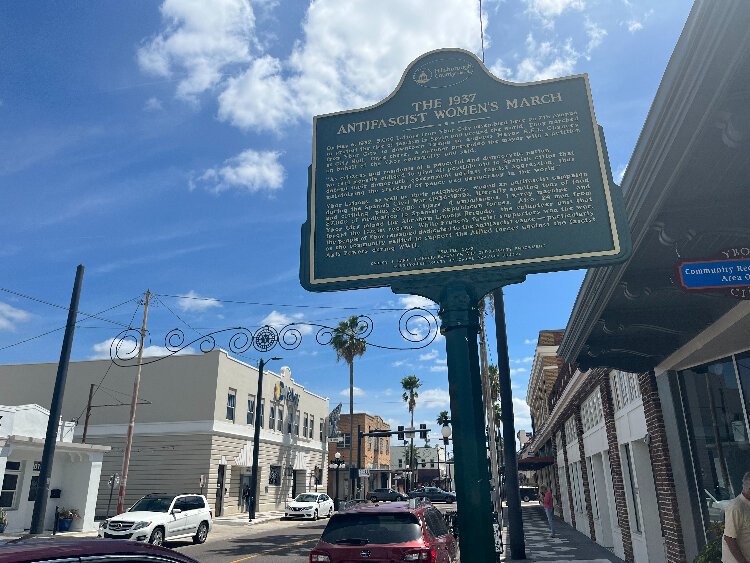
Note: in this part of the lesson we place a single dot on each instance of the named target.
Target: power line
(298, 306)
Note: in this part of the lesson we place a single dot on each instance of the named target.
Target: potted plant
(65, 518)
(3, 520)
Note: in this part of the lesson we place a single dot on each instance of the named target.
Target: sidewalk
(568, 544)
(242, 520)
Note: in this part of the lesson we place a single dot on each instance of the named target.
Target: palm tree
(410, 384)
(443, 418)
(348, 346)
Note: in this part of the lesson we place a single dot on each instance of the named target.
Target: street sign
(728, 272)
(458, 171)
(364, 472)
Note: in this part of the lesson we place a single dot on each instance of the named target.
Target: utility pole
(133, 403)
(48, 454)
(88, 413)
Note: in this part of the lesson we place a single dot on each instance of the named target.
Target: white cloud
(357, 392)
(524, 360)
(10, 316)
(398, 363)
(129, 350)
(414, 301)
(434, 398)
(529, 341)
(351, 55)
(637, 22)
(280, 320)
(429, 356)
(596, 35)
(547, 9)
(516, 371)
(620, 174)
(192, 302)
(250, 171)
(153, 104)
(201, 41)
(546, 60)
(439, 369)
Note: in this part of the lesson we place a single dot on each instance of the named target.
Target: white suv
(160, 517)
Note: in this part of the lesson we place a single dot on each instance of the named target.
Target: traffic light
(401, 433)
(423, 431)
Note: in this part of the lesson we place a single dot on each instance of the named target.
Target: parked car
(376, 495)
(387, 532)
(66, 551)
(434, 494)
(528, 494)
(160, 517)
(309, 505)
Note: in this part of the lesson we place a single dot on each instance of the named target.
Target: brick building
(375, 454)
(648, 419)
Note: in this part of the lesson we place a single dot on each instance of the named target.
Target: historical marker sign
(459, 171)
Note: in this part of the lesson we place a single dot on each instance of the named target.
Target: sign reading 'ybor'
(458, 171)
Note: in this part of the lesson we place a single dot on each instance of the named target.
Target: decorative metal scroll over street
(416, 325)
(458, 171)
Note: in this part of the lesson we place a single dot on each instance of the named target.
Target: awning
(534, 463)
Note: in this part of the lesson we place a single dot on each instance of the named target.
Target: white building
(430, 464)
(194, 430)
(75, 475)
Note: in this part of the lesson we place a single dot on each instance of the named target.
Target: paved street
(274, 541)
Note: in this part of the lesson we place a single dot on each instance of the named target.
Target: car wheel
(330, 512)
(373, 499)
(526, 498)
(315, 515)
(157, 537)
(202, 533)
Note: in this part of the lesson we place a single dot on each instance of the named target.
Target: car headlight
(103, 524)
(139, 525)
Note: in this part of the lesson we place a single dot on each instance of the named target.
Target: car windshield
(360, 529)
(306, 498)
(152, 504)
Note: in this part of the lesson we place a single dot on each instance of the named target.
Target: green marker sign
(458, 171)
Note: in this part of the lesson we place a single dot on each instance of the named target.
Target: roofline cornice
(701, 66)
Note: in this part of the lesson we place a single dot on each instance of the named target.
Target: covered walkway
(567, 545)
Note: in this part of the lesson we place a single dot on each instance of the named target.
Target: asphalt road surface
(270, 542)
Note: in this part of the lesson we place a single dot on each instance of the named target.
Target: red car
(89, 550)
(397, 531)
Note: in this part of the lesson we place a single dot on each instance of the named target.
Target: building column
(567, 475)
(584, 472)
(666, 494)
(623, 520)
(556, 477)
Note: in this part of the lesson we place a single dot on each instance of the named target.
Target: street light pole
(337, 461)
(256, 439)
(446, 432)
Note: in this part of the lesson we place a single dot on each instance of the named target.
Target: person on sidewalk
(735, 546)
(547, 503)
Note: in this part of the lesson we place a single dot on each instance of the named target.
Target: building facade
(648, 421)
(76, 469)
(430, 469)
(194, 428)
(374, 453)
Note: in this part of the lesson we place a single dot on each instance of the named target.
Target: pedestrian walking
(735, 547)
(547, 503)
(246, 497)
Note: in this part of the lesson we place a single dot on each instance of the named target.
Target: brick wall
(584, 472)
(666, 495)
(616, 467)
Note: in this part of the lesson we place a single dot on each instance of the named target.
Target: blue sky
(165, 145)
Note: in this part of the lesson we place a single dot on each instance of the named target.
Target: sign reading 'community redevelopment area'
(456, 171)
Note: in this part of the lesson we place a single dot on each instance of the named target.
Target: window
(432, 463)
(570, 431)
(289, 422)
(591, 411)
(369, 443)
(321, 429)
(387, 446)
(347, 440)
(633, 486)
(231, 402)
(306, 426)
(296, 423)
(400, 463)
(594, 492)
(10, 484)
(312, 427)
(250, 409)
(274, 475)
(33, 488)
(280, 426)
(271, 417)
(262, 410)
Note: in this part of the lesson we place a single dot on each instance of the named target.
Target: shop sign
(728, 273)
(283, 393)
(364, 472)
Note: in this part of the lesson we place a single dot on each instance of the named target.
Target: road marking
(269, 550)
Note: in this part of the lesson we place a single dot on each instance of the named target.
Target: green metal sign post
(455, 185)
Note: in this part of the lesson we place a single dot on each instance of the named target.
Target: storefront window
(718, 433)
